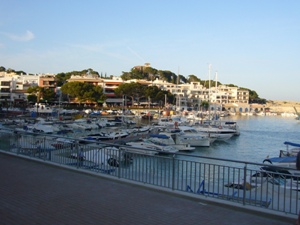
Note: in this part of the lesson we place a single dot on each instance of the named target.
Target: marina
(227, 170)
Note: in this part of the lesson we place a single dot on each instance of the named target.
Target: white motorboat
(166, 121)
(219, 127)
(285, 163)
(85, 124)
(149, 147)
(105, 136)
(61, 143)
(79, 125)
(218, 133)
(42, 128)
(42, 108)
(172, 140)
(37, 128)
(191, 136)
(139, 130)
(104, 122)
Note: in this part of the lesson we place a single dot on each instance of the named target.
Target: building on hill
(192, 94)
(13, 88)
(142, 67)
(108, 86)
(47, 81)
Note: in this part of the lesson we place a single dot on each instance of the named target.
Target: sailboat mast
(209, 83)
(216, 80)
(178, 95)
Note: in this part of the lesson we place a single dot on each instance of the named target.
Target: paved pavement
(32, 192)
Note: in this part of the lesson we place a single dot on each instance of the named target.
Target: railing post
(77, 151)
(245, 184)
(119, 168)
(18, 138)
(46, 150)
(173, 172)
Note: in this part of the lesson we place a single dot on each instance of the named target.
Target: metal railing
(236, 181)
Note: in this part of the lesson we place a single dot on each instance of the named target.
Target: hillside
(283, 106)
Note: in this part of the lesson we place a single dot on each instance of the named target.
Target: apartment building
(108, 86)
(13, 86)
(47, 81)
(192, 94)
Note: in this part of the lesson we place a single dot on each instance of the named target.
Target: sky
(253, 44)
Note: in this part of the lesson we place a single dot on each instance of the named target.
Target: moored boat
(172, 140)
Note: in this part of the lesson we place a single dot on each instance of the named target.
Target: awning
(114, 100)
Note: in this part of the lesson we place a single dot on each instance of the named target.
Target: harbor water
(261, 137)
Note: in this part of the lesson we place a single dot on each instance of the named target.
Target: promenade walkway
(33, 192)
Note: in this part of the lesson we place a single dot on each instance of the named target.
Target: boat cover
(282, 159)
(291, 143)
(230, 122)
(162, 136)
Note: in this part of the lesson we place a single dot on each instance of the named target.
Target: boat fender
(267, 160)
(220, 127)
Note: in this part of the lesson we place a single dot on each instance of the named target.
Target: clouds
(28, 36)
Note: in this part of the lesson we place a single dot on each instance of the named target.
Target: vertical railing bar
(120, 161)
(244, 184)
(173, 172)
(214, 176)
(195, 169)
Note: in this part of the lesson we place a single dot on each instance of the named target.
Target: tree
(167, 76)
(37, 93)
(133, 90)
(162, 95)
(20, 72)
(126, 75)
(151, 73)
(193, 78)
(135, 73)
(49, 95)
(183, 79)
(9, 70)
(205, 105)
(151, 91)
(83, 92)
(254, 98)
(34, 91)
(61, 78)
(32, 98)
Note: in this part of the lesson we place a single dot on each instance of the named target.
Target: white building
(192, 94)
(13, 86)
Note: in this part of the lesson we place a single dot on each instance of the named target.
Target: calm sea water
(261, 136)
